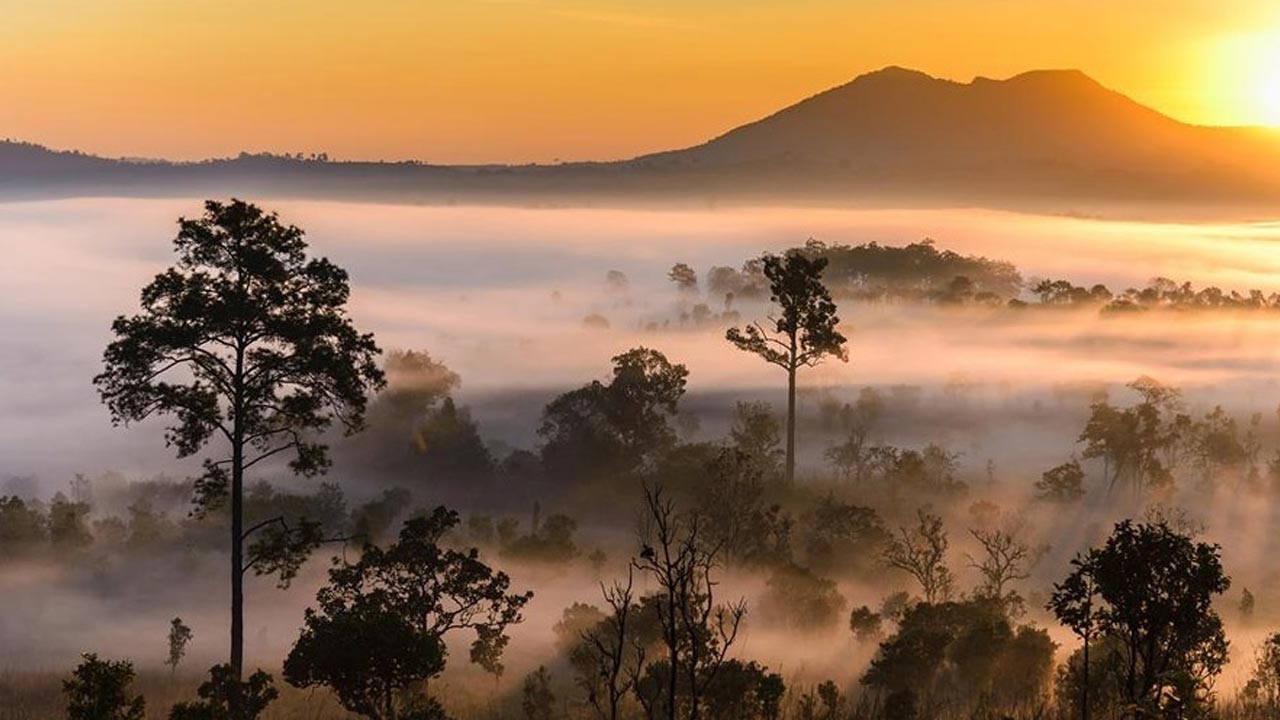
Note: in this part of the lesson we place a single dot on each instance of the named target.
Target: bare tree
(607, 647)
(922, 553)
(696, 631)
(1005, 560)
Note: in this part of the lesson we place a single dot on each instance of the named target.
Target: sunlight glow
(1242, 78)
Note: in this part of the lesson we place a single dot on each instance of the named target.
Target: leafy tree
(865, 623)
(1265, 682)
(802, 336)
(1215, 443)
(798, 598)
(382, 621)
(745, 691)
(1135, 443)
(1091, 690)
(1151, 589)
(179, 635)
(246, 340)
(960, 653)
(450, 445)
(618, 426)
(367, 653)
(100, 690)
(550, 541)
(1064, 483)
(756, 434)
(730, 499)
(223, 697)
(839, 537)
(854, 458)
(536, 700)
(372, 520)
(416, 383)
(148, 527)
(921, 552)
(68, 523)
(684, 277)
(21, 525)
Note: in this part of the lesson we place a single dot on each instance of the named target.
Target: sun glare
(1242, 79)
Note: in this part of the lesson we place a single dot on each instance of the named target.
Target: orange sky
(541, 80)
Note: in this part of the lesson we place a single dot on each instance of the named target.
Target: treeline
(921, 273)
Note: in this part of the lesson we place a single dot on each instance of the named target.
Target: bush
(100, 690)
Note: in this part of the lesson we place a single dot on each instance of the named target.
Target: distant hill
(895, 135)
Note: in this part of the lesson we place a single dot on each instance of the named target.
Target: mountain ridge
(893, 132)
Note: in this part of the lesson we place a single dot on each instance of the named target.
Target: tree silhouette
(605, 648)
(245, 340)
(223, 697)
(1151, 588)
(367, 653)
(1073, 604)
(99, 690)
(618, 426)
(382, 620)
(179, 636)
(1005, 560)
(802, 336)
(697, 632)
(922, 554)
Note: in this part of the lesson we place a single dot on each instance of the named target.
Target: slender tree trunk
(791, 426)
(1084, 708)
(674, 655)
(237, 532)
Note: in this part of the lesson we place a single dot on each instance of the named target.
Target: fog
(478, 287)
(500, 297)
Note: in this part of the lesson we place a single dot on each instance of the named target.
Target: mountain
(894, 135)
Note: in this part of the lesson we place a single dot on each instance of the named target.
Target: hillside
(892, 135)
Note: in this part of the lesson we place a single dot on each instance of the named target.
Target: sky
(470, 81)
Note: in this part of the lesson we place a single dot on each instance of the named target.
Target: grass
(38, 696)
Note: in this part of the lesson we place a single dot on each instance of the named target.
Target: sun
(1241, 79)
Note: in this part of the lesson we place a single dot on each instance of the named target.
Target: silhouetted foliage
(614, 428)
(730, 499)
(802, 336)
(423, 588)
(865, 623)
(1132, 441)
(246, 340)
(222, 697)
(873, 271)
(536, 699)
(179, 636)
(795, 597)
(1064, 483)
(367, 653)
(842, 537)
(963, 652)
(100, 690)
(1151, 589)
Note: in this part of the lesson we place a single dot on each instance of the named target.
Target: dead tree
(696, 631)
(1005, 560)
(922, 554)
(608, 644)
